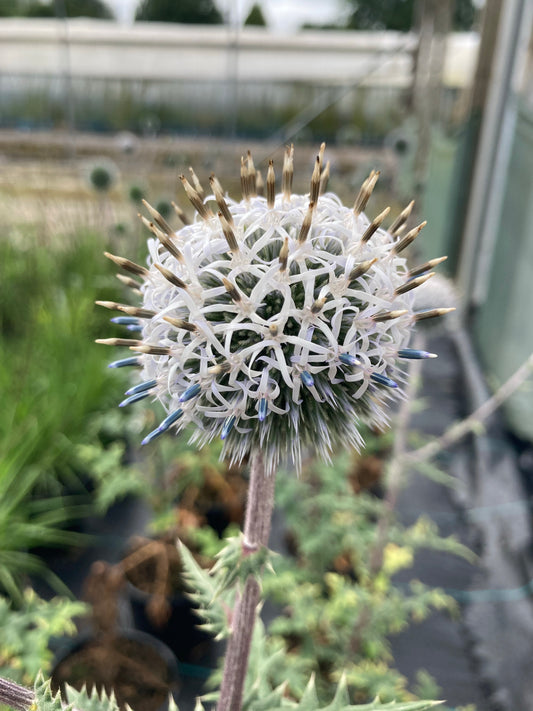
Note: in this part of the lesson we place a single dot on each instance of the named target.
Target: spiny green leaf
(93, 700)
(45, 700)
(202, 591)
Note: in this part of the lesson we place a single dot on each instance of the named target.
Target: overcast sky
(281, 15)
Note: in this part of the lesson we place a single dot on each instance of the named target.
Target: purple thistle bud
(383, 380)
(133, 398)
(152, 435)
(124, 362)
(190, 392)
(263, 409)
(228, 426)
(170, 419)
(413, 354)
(125, 320)
(141, 387)
(348, 359)
(307, 379)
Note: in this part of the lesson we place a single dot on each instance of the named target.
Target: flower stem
(257, 523)
(15, 696)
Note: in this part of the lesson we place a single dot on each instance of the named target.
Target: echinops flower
(275, 323)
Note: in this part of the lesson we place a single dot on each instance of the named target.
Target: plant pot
(161, 607)
(140, 669)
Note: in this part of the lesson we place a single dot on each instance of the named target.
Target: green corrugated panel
(504, 323)
(435, 240)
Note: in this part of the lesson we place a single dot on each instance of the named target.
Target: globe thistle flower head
(276, 322)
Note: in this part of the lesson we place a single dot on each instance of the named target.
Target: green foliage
(255, 17)
(27, 630)
(274, 678)
(186, 11)
(340, 610)
(95, 9)
(91, 701)
(55, 387)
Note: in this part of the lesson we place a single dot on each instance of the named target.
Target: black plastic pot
(134, 684)
(180, 631)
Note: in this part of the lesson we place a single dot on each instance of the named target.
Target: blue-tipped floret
(228, 426)
(348, 359)
(133, 398)
(135, 327)
(170, 419)
(307, 379)
(190, 392)
(123, 362)
(383, 380)
(413, 354)
(141, 387)
(126, 321)
(152, 435)
(263, 409)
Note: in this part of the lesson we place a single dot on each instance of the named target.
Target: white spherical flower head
(275, 323)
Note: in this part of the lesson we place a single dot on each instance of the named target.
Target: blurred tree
(399, 15)
(255, 16)
(64, 8)
(9, 8)
(187, 11)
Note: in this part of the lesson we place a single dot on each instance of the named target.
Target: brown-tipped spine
(229, 234)
(180, 323)
(361, 269)
(151, 350)
(426, 267)
(375, 225)
(363, 196)
(284, 255)
(158, 218)
(402, 218)
(195, 199)
(389, 315)
(314, 190)
(432, 313)
(119, 342)
(413, 283)
(197, 184)
(252, 174)
(245, 185)
(219, 368)
(231, 289)
(409, 237)
(318, 305)
(129, 282)
(171, 277)
(218, 192)
(324, 178)
(127, 309)
(306, 224)
(271, 185)
(127, 265)
(179, 212)
(165, 240)
(288, 172)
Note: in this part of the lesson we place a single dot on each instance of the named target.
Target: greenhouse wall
(503, 325)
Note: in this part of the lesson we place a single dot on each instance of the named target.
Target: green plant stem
(15, 696)
(258, 518)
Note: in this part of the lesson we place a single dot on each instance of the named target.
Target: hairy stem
(256, 532)
(15, 696)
